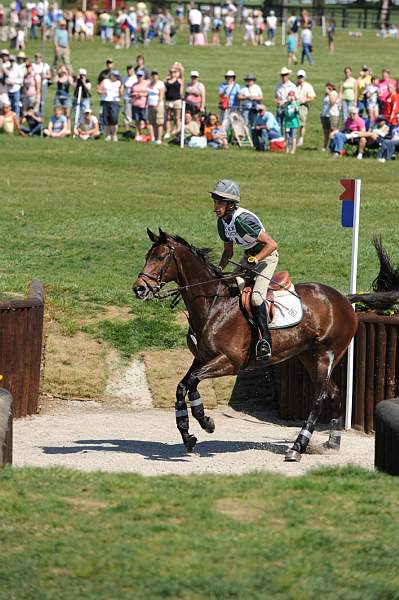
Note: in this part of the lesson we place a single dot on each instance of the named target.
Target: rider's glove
(252, 260)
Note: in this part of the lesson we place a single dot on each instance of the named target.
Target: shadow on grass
(158, 451)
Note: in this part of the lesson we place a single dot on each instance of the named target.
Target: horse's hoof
(190, 443)
(292, 456)
(210, 426)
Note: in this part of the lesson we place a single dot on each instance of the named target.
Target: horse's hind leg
(334, 435)
(182, 420)
(320, 374)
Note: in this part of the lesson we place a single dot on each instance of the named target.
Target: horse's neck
(198, 298)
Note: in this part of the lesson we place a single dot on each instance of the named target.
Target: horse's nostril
(139, 290)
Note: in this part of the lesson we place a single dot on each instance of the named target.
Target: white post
(352, 290)
(323, 26)
(113, 5)
(84, 5)
(77, 112)
(183, 118)
(283, 33)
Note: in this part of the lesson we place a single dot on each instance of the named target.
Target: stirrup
(263, 350)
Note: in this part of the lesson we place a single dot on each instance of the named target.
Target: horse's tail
(5, 411)
(385, 286)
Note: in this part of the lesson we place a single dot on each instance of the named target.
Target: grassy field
(330, 534)
(75, 214)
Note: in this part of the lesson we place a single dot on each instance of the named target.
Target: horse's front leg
(182, 420)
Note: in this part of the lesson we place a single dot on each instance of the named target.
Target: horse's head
(160, 266)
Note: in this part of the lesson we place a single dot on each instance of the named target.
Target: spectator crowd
(359, 114)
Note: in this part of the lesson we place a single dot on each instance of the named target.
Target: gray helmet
(227, 189)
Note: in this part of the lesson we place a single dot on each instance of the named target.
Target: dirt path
(89, 437)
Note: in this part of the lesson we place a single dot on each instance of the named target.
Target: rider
(243, 227)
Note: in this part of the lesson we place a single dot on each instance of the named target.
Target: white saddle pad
(287, 309)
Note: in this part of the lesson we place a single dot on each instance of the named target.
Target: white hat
(194, 74)
(285, 71)
(82, 72)
(230, 73)
(301, 73)
(87, 110)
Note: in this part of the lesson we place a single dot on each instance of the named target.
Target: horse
(221, 339)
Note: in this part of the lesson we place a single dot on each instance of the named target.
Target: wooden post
(5, 427)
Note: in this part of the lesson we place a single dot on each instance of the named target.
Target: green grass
(331, 533)
(75, 215)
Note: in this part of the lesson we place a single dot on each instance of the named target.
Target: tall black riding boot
(264, 345)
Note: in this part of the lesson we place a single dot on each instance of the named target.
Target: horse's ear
(162, 236)
(154, 238)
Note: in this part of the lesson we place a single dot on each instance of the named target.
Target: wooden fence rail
(21, 334)
(376, 374)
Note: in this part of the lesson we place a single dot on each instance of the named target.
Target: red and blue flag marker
(350, 218)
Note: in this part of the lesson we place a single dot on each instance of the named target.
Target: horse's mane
(202, 253)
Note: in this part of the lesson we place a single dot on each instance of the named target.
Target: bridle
(159, 283)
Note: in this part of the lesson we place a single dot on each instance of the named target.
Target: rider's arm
(269, 246)
(227, 254)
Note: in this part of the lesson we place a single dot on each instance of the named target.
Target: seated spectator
(191, 129)
(378, 132)
(265, 128)
(8, 120)
(215, 133)
(353, 133)
(292, 123)
(389, 144)
(31, 122)
(58, 125)
(88, 127)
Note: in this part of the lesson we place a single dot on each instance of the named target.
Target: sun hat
(5, 51)
(21, 54)
(87, 110)
(140, 73)
(301, 73)
(230, 73)
(354, 110)
(285, 71)
(194, 74)
(115, 73)
(82, 72)
(249, 77)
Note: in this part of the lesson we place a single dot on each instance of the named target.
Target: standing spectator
(259, 27)
(292, 48)
(140, 66)
(128, 81)
(249, 31)
(21, 61)
(331, 32)
(347, 93)
(250, 96)
(173, 96)
(292, 124)
(371, 94)
(306, 95)
(31, 123)
(305, 20)
(84, 84)
(58, 125)
(383, 88)
(229, 26)
(363, 80)
(271, 25)
(8, 120)
(156, 107)
(281, 94)
(179, 14)
(62, 98)
(139, 95)
(61, 45)
(14, 81)
(31, 90)
(306, 41)
(215, 133)
(394, 102)
(104, 20)
(44, 71)
(228, 97)
(3, 24)
(109, 65)
(88, 127)
(216, 27)
(195, 22)
(331, 98)
(206, 26)
(195, 94)
(293, 22)
(265, 128)
(388, 113)
(110, 90)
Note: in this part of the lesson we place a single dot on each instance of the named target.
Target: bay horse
(221, 339)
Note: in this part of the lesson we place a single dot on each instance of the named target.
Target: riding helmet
(228, 189)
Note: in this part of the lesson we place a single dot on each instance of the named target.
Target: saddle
(281, 281)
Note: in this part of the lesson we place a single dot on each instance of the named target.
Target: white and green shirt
(242, 227)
